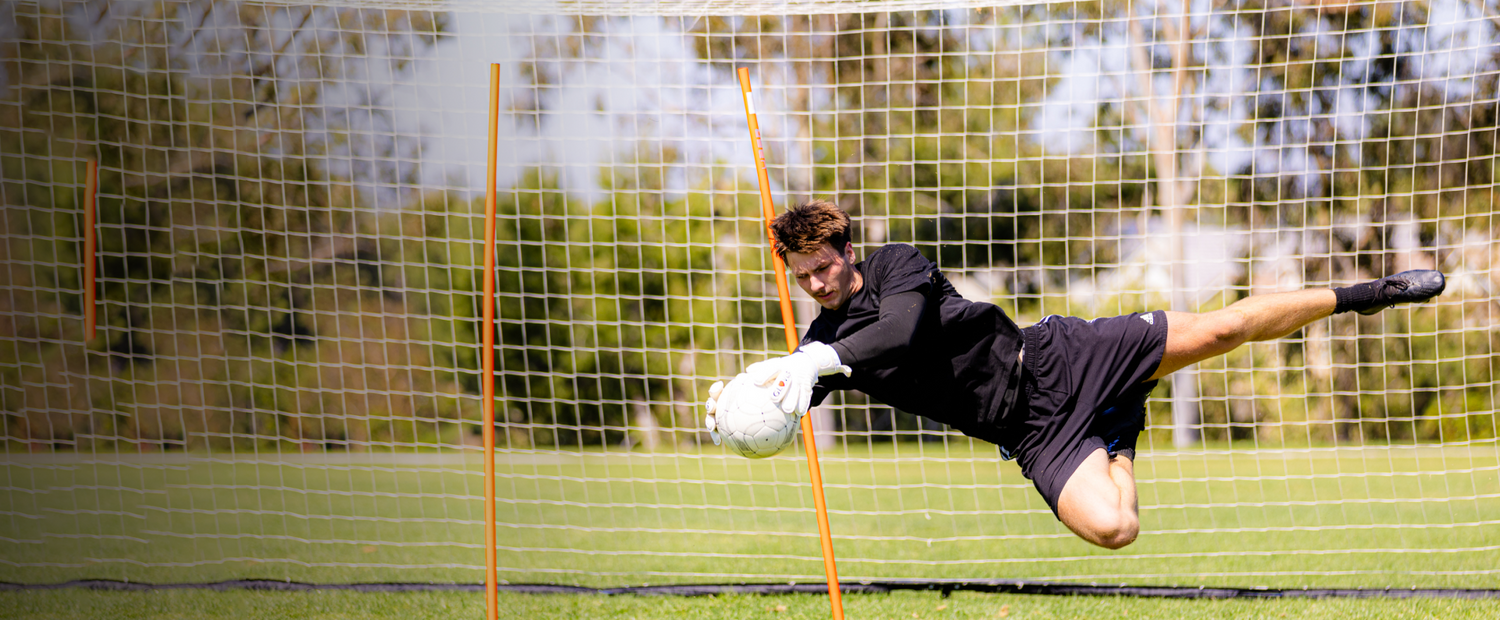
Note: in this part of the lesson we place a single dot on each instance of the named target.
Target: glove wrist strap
(827, 359)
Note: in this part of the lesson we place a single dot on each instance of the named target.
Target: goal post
(487, 353)
(788, 321)
(299, 285)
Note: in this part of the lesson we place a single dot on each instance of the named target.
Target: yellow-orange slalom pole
(768, 212)
(90, 191)
(487, 378)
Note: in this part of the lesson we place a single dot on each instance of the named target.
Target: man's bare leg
(1192, 338)
(1098, 502)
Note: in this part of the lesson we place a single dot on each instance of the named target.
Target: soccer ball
(753, 426)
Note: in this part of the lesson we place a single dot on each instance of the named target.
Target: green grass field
(1369, 518)
(186, 605)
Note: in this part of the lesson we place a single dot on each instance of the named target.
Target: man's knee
(1119, 531)
(1110, 528)
(1091, 505)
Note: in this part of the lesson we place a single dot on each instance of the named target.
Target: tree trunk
(1173, 199)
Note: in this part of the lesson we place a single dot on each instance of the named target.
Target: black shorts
(1073, 370)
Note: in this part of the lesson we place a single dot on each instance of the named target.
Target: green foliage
(931, 139)
(1411, 383)
(236, 274)
(620, 302)
(260, 297)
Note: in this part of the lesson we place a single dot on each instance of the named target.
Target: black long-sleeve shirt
(889, 336)
(918, 346)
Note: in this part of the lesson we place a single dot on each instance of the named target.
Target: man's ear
(849, 251)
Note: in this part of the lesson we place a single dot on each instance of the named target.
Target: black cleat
(1405, 287)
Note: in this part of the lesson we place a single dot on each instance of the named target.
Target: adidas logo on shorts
(1149, 318)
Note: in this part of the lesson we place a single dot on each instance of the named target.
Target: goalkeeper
(1065, 396)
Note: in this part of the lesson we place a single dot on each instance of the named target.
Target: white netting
(285, 381)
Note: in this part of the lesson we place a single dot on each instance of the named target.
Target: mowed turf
(1380, 517)
(188, 605)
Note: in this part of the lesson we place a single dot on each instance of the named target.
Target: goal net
(285, 381)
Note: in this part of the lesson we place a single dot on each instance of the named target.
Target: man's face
(826, 274)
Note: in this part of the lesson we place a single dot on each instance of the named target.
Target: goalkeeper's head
(813, 239)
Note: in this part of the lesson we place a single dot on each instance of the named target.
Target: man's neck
(859, 283)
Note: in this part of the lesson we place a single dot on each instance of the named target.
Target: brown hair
(808, 225)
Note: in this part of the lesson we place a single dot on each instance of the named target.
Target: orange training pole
(491, 580)
(91, 188)
(830, 568)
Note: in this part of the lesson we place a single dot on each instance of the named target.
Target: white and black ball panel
(755, 427)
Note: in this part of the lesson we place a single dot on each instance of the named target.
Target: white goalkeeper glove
(713, 403)
(718, 400)
(796, 374)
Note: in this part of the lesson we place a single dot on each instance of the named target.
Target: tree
(1359, 115)
(235, 227)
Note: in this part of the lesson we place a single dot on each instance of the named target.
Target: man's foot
(1404, 287)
